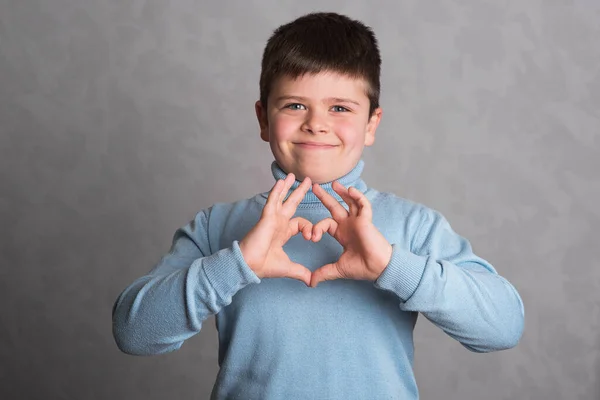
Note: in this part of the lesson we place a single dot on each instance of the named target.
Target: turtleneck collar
(352, 178)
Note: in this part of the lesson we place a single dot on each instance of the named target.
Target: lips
(316, 145)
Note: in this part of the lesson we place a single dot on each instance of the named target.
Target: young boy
(341, 327)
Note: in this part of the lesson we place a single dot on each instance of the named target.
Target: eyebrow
(329, 99)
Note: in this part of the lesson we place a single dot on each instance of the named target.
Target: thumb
(327, 272)
(300, 272)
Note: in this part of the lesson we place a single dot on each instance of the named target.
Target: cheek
(283, 127)
(350, 131)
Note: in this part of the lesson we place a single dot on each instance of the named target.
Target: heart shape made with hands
(366, 251)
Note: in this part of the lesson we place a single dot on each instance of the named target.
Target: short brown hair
(319, 42)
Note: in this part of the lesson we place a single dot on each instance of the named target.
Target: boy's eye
(339, 109)
(295, 106)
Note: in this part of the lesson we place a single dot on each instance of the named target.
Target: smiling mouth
(315, 145)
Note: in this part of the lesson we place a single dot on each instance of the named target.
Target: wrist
(384, 262)
(248, 259)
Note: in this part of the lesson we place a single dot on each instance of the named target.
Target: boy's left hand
(366, 251)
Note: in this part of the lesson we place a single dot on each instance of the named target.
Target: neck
(351, 179)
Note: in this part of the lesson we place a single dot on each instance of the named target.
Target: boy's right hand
(262, 247)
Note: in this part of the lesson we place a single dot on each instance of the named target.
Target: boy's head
(320, 84)
(322, 42)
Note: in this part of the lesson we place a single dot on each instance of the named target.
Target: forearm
(470, 302)
(158, 312)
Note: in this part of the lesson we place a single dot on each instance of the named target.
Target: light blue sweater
(344, 339)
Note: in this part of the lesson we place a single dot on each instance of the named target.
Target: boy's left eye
(339, 109)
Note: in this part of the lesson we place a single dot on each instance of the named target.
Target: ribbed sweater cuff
(403, 274)
(228, 272)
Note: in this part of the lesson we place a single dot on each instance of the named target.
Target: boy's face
(318, 124)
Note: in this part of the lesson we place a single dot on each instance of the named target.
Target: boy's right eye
(295, 106)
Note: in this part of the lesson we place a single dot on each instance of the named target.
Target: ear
(372, 125)
(263, 121)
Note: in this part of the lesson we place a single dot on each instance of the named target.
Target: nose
(315, 123)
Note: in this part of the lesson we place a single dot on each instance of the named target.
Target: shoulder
(231, 216)
(209, 224)
(415, 219)
(222, 211)
(387, 202)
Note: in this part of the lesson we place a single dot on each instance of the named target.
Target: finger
(338, 212)
(365, 209)
(343, 192)
(288, 182)
(291, 204)
(303, 225)
(299, 272)
(274, 195)
(327, 272)
(328, 225)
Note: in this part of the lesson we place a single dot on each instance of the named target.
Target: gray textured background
(119, 120)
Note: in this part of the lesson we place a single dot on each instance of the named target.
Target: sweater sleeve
(456, 290)
(159, 311)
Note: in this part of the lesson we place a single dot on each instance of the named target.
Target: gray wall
(119, 120)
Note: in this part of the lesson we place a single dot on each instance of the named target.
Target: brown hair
(320, 42)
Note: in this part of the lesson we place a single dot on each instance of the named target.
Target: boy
(341, 327)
